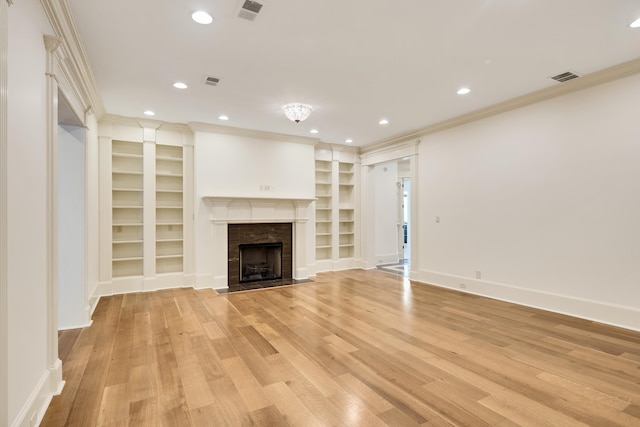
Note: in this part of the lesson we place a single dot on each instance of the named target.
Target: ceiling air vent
(249, 10)
(565, 76)
(211, 81)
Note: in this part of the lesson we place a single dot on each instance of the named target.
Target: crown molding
(584, 82)
(228, 130)
(73, 59)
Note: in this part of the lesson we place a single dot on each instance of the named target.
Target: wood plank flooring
(354, 348)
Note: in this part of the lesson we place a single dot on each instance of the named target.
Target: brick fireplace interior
(265, 249)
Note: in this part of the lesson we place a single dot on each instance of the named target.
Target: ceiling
(355, 62)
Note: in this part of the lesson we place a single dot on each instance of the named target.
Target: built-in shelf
(324, 235)
(346, 209)
(335, 209)
(127, 208)
(169, 209)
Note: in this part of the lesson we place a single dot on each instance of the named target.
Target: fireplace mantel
(258, 209)
(226, 210)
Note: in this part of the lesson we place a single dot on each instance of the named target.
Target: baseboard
(387, 258)
(611, 314)
(49, 385)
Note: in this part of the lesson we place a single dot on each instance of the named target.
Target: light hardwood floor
(355, 348)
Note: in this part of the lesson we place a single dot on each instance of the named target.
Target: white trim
(611, 314)
(53, 362)
(4, 305)
(38, 401)
(228, 130)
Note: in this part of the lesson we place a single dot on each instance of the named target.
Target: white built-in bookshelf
(323, 210)
(336, 174)
(346, 211)
(169, 209)
(127, 208)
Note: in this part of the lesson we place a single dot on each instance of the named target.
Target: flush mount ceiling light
(383, 122)
(223, 117)
(348, 141)
(297, 112)
(180, 85)
(149, 113)
(202, 17)
(635, 24)
(463, 91)
(313, 131)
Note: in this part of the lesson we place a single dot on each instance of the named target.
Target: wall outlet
(463, 286)
(478, 275)
(437, 220)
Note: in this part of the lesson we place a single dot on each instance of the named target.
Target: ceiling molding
(75, 60)
(228, 130)
(587, 81)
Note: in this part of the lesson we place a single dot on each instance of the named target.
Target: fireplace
(217, 248)
(260, 261)
(259, 253)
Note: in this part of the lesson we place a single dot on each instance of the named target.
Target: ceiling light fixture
(180, 85)
(383, 122)
(463, 91)
(348, 141)
(202, 17)
(313, 131)
(223, 117)
(297, 112)
(635, 24)
(149, 113)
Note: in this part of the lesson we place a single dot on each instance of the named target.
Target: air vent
(211, 81)
(565, 76)
(249, 10)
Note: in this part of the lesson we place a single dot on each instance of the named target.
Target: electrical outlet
(463, 286)
(478, 275)
(437, 220)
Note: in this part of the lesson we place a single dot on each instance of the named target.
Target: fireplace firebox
(259, 255)
(260, 261)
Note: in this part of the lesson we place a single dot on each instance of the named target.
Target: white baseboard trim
(387, 258)
(611, 314)
(49, 385)
(68, 328)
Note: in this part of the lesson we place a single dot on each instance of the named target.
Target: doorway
(391, 190)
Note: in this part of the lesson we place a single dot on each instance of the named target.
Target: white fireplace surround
(238, 210)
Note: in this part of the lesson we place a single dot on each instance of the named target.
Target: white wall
(73, 309)
(384, 178)
(544, 201)
(241, 166)
(27, 210)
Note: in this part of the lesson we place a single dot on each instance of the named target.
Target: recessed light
(635, 24)
(149, 113)
(202, 17)
(463, 91)
(180, 85)
(313, 131)
(223, 117)
(348, 141)
(383, 122)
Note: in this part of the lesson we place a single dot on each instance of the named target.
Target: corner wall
(540, 205)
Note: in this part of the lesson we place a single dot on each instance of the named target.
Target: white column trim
(4, 286)
(53, 362)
